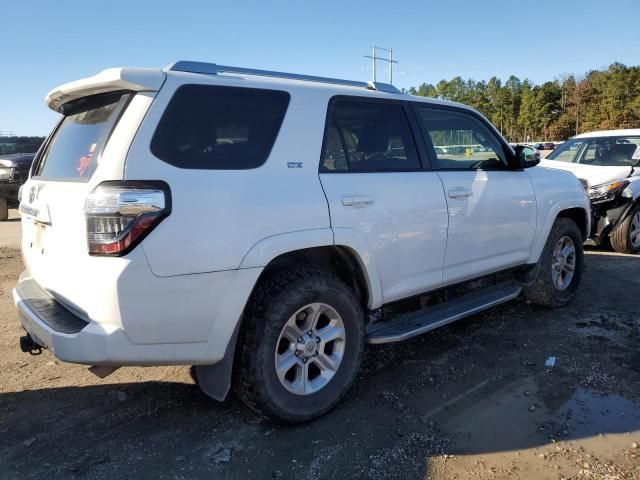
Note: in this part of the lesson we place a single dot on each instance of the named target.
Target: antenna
(389, 60)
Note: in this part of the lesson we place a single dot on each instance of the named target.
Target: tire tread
(541, 291)
(620, 240)
(249, 382)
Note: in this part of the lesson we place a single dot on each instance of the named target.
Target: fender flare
(264, 251)
(552, 214)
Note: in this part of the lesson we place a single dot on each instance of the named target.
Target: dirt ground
(472, 400)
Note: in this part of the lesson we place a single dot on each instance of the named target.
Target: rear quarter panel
(218, 215)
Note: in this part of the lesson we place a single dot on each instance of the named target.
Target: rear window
(73, 151)
(368, 137)
(219, 128)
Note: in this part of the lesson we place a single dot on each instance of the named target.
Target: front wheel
(560, 267)
(626, 238)
(300, 346)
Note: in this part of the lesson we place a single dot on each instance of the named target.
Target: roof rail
(214, 69)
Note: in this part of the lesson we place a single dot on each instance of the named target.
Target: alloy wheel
(310, 349)
(563, 263)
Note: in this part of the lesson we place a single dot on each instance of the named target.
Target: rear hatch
(88, 146)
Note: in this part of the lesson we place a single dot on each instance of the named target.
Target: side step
(429, 318)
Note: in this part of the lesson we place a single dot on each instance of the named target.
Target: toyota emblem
(33, 193)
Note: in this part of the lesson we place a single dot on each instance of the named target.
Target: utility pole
(374, 57)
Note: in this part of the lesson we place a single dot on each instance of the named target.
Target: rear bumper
(66, 335)
(73, 338)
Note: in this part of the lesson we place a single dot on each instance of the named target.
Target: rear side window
(73, 151)
(369, 137)
(219, 128)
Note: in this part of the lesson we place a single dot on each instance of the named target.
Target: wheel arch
(627, 211)
(272, 253)
(340, 250)
(580, 217)
(579, 213)
(338, 259)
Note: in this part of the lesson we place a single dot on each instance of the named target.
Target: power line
(389, 60)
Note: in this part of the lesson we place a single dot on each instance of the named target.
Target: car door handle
(460, 193)
(356, 200)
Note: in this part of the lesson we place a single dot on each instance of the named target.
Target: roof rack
(214, 69)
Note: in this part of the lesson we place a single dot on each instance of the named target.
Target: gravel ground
(472, 400)
(10, 230)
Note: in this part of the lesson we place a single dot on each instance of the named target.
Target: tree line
(555, 110)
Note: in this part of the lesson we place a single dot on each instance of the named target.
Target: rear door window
(73, 151)
(368, 137)
(219, 128)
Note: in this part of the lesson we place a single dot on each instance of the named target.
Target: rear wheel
(300, 346)
(4, 209)
(560, 268)
(626, 238)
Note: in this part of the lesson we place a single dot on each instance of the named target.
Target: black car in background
(14, 171)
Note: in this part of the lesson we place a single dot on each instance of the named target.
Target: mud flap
(215, 380)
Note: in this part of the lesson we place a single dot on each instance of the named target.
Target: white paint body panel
(555, 191)
(594, 174)
(218, 216)
(112, 79)
(177, 297)
(610, 133)
(404, 229)
(491, 230)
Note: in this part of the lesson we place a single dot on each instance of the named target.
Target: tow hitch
(28, 345)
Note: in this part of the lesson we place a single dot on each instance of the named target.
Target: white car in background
(608, 164)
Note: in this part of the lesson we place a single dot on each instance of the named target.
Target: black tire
(273, 302)
(621, 237)
(4, 209)
(543, 290)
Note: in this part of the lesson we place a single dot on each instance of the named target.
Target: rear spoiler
(112, 79)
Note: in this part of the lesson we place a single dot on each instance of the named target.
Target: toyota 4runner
(264, 226)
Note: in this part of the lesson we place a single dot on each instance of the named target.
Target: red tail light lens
(120, 214)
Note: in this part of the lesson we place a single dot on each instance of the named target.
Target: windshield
(602, 151)
(72, 152)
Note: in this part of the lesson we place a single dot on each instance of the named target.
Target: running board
(429, 318)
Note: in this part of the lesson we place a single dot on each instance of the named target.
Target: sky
(46, 43)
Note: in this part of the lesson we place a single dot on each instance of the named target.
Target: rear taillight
(121, 213)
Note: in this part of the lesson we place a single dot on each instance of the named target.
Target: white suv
(259, 225)
(608, 164)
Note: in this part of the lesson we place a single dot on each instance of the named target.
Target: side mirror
(525, 157)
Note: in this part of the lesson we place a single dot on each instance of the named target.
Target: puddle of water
(503, 416)
(591, 413)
